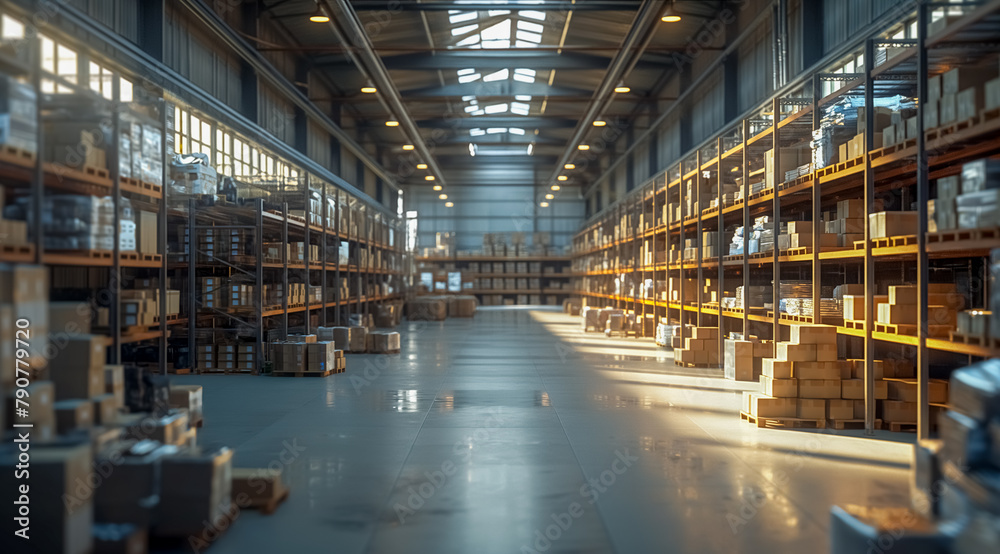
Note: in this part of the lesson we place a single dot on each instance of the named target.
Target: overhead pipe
(371, 64)
(640, 32)
(267, 72)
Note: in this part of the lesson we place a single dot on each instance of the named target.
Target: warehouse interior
(500, 276)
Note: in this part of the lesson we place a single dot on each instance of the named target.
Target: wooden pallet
(949, 129)
(761, 256)
(898, 427)
(92, 254)
(326, 373)
(854, 324)
(842, 424)
(181, 371)
(892, 242)
(787, 422)
(972, 340)
(801, 251)
(140, 257)
(960, 235)
(935, 331)
(16, 250)
(695, 365)
(17, 156)
(986, 116)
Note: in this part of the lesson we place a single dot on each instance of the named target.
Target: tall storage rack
(371, 235)
(609, 246)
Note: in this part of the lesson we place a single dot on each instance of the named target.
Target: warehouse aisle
(516, 432)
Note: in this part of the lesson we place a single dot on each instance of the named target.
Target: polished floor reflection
(517, 432)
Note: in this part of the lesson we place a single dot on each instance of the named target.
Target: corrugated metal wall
(318, 147)
(191, 52)
(755, 68)
(843, 19)
(708, 110)
(121, 16)
(275, 114)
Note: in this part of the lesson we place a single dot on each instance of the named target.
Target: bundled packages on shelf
(76, 142)
(954, 477)
(18, 115)
(192, 175)
(429, 308)
(754, 296)
(978, 205)
(226, 356)
(78, 222)
(761, 238)
(900, 308)
(462, 306)
(666, 333)
(13, 232)
(892, 224)
(960, 93)
(849, 224)
(701, 348)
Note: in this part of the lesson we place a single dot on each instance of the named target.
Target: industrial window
(224, 152)
(60, 61)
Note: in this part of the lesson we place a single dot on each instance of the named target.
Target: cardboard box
(892, 224)
(839, 409)
(854, 307)
(148, 232)
(819, 388)
(73, 318)
(813, 334)
(256, 487)
(897, 411)
(321, 357)
(765, 406)
(854, 389)
(790, 352)
(903, 294)
(858, 369)
(777, 369)
(114, 383)
(195, 489)
(779, 388)
(105, 409)
(187, 397)
(77, 369)
(73, 414)
(816, 370)
(810, 408)
(826, 352)
(739, 360)
(906, 390)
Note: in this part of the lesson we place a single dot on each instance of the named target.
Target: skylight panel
(496, 130)
(463, 17)
(477, 112)
(532, 14)
(523, 97)
(501, 75)
(469, 78)
(519, 108)
(497, 36)
(469, 41)
(525, 44)
(496, 108)
(470, 109)
(495, 13)
(464, 30)
(529, 37)
(477, 132)
(524, 75)
(467, 98)
(515, 131)
(469, 71)
(529, 26)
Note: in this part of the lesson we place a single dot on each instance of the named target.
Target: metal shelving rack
(461, 263)
(790, 116)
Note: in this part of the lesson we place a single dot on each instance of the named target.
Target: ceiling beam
(563, 5)
(497, 88)
(482, 122)
(486, 60)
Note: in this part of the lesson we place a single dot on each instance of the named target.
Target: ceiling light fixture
(437, 187)
(671, 15)
(584, 147)
(443, 196)
(562, 178)
(319, 16)
(392, 123)
(421, 166)
(569, 166)
(544, 204)
(429, 178)
(549, 196)
(601, 122)
(369, 90)
(449, 204)
(555, 187)
(622, 89)
(407, 147)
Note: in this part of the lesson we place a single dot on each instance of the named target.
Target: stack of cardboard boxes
(744, 359)
(383, 342)
(892, 224)
(790, 159)
(803, 380)
(959, 94)
(307, 354)
(226, 356)
(800, 235)
(849, 224)
(18, 115)
(943, 303)
(700, 348)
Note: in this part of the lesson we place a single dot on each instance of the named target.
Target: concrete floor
(486, 435)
